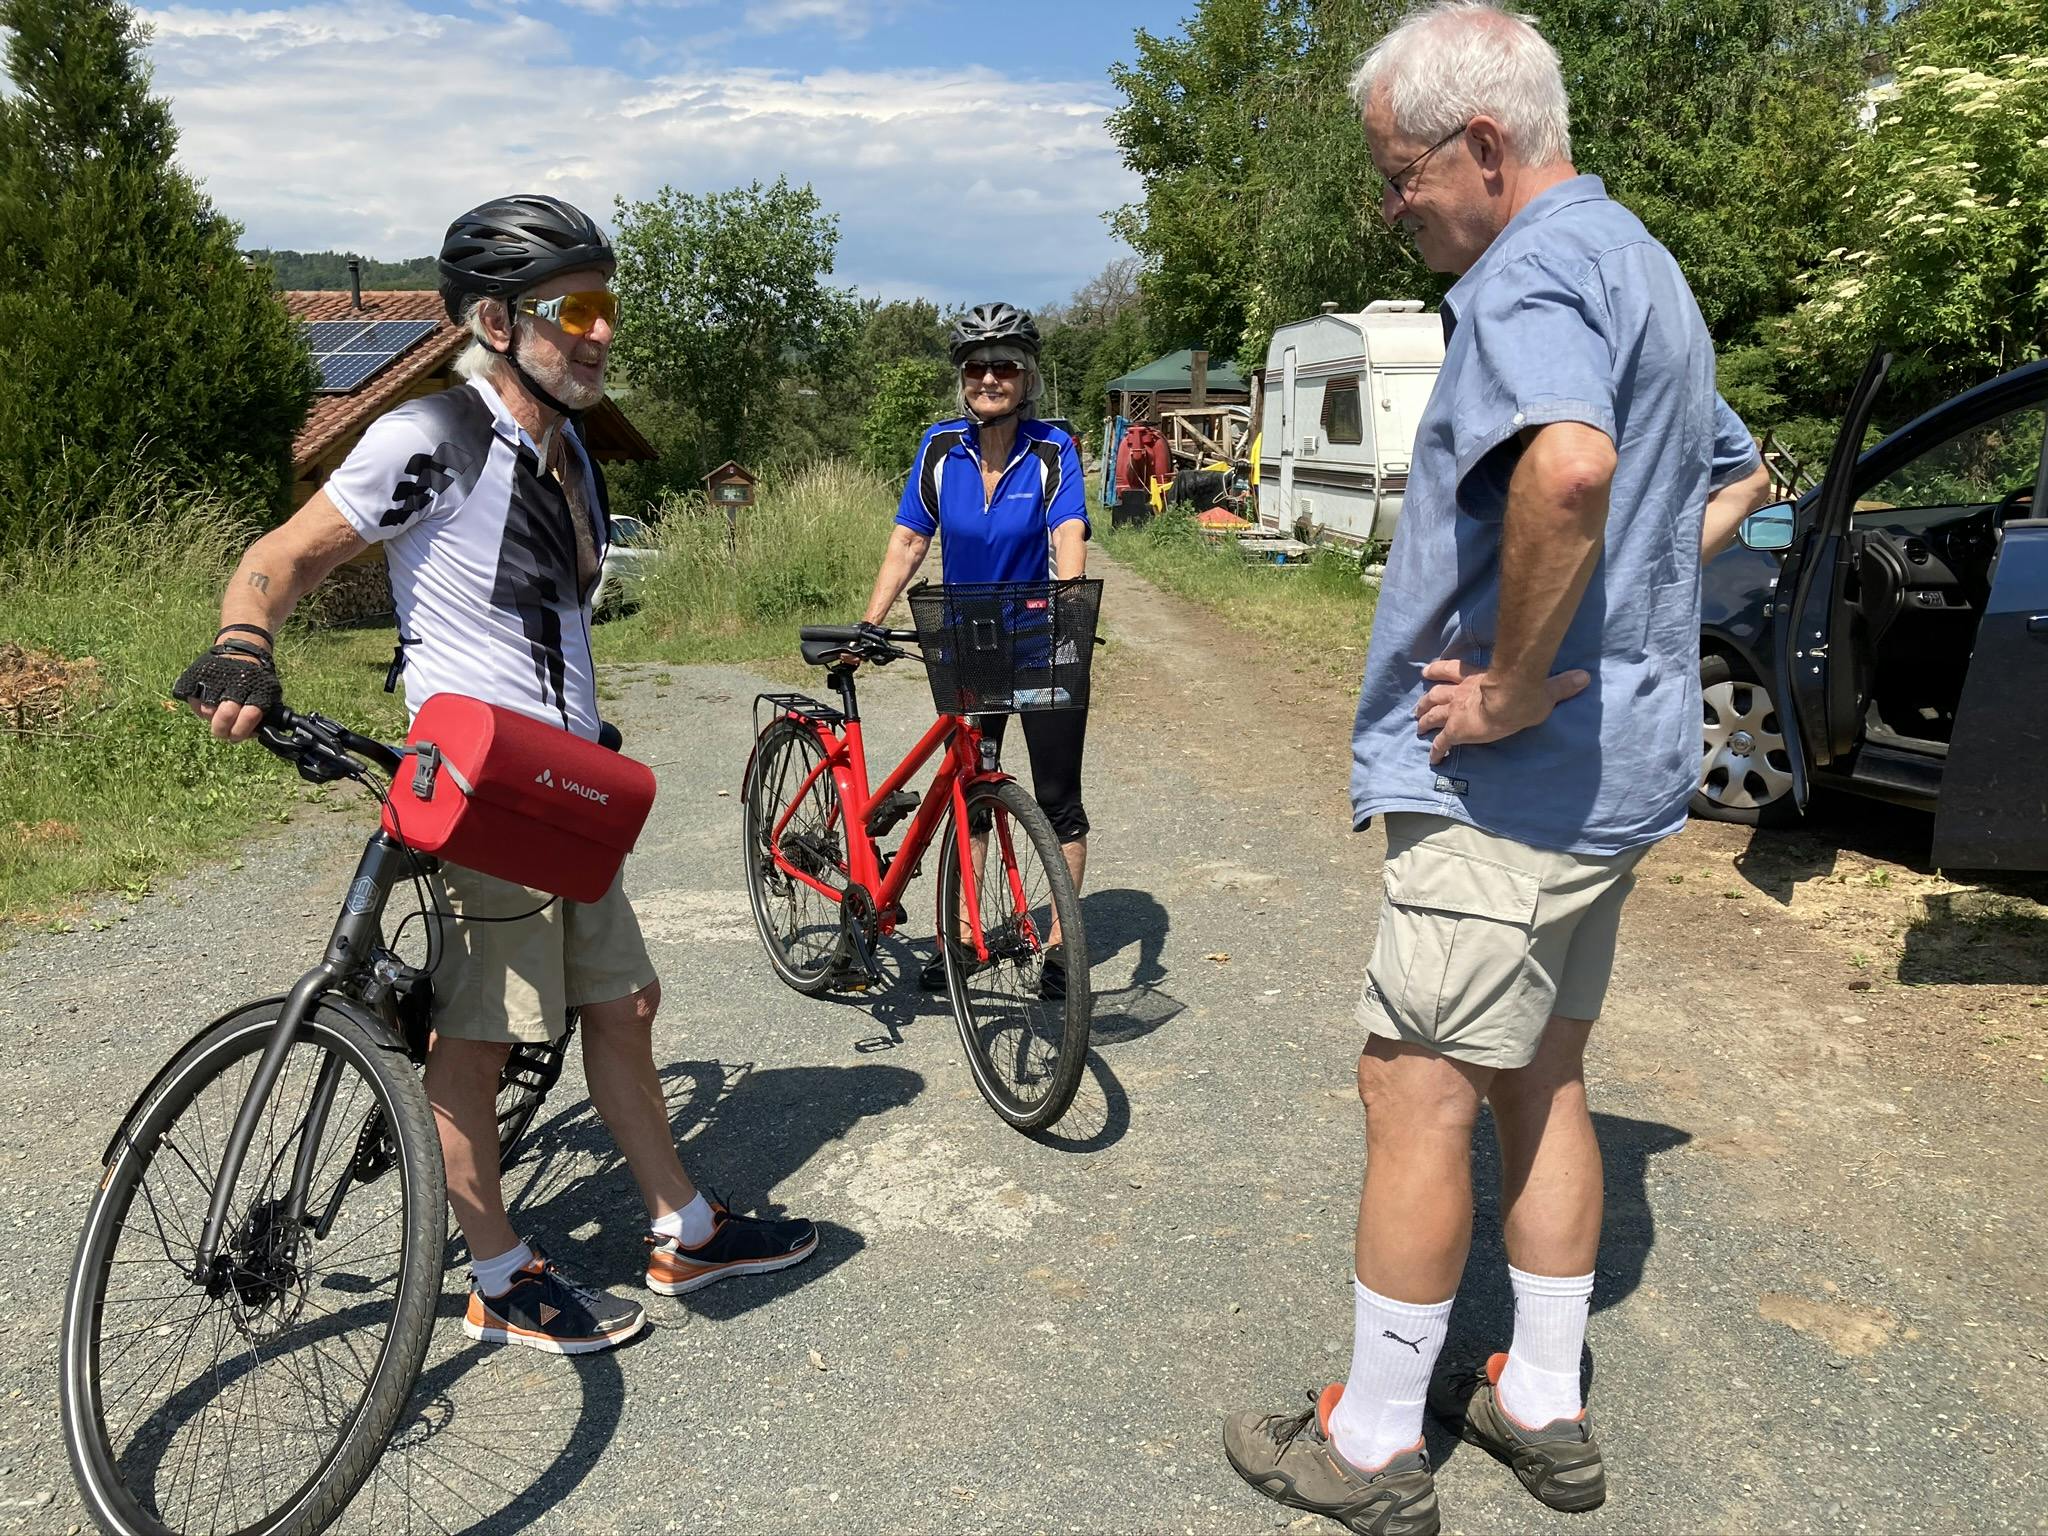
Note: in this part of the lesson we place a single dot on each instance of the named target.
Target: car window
(629, 531)
(1979, 467)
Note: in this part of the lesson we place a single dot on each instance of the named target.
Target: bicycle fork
(355, 936)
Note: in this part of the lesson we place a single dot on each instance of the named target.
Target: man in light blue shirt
(1528, 726)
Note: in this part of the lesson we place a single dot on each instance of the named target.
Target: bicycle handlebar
(322, 749)
(857, 640)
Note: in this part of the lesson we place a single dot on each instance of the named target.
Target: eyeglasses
(1397, 183)
(1002, 370)
(576, 313)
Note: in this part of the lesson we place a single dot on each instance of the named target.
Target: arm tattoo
(260, 582)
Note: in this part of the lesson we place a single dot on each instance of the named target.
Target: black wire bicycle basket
(1007, 647)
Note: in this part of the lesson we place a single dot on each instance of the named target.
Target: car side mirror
(1768, 529)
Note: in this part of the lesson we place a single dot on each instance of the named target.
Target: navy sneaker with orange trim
(738, 1245)
(544, 1309)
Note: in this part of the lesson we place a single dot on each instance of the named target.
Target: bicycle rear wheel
(1026, 1051)
(256, 1404)
(799, 923)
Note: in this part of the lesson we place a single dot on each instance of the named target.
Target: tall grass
(806, 553)
(1320, 614)
(121, 786)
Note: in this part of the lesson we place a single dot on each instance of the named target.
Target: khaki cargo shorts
(1482, 939)
(517, 981)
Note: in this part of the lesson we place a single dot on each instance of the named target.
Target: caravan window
(1342, 422)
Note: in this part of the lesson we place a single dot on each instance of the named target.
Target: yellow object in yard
(1257, 438)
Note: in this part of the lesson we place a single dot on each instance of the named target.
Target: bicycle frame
(351, 951)
(969, 759)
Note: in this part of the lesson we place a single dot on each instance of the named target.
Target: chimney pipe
(355, 282)
(1329, 306)
(1198, 379)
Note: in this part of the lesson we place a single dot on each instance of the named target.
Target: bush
(806, 553)
(119, 785)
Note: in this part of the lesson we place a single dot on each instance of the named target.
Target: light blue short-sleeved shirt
(1573, 314)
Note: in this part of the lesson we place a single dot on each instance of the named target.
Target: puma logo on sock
(1414, 1344)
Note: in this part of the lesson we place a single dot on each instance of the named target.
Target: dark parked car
(1887, 633)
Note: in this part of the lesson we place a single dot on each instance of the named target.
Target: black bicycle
(260, 1270)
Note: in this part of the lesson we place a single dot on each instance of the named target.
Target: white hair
(476, 360)
(1459, 59)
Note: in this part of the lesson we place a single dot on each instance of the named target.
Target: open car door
(1993, 810)
(1818, 675)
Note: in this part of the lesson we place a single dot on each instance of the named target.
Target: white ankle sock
(494, 1276)
(1541, 1381)
(1393, 1350)
(691, 1226)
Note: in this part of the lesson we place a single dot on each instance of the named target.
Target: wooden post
(1198, 379)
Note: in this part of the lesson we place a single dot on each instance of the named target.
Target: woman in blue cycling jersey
(1003, 492)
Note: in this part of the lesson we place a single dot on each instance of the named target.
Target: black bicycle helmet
(511, 244)
(990, 325)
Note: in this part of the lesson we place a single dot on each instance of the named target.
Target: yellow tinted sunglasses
(576, 313)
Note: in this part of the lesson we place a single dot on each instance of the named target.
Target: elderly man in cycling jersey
(494, 523)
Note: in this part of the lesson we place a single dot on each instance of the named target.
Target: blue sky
(962, 146)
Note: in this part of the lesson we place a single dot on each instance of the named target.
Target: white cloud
(370, 126)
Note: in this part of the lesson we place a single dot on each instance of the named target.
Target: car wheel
(1745, 765)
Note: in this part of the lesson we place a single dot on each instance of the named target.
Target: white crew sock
(691, 1226)
(1541, 1381)
(1393, 1350)
(494, 1276)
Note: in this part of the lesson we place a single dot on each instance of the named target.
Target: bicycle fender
(327, 1002)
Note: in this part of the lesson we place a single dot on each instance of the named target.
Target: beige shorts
(517, 981)
(1482, 939)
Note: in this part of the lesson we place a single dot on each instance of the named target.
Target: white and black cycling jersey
(481, 544)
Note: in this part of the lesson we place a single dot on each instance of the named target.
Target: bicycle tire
(530, 1073)
(397, 1124)
(804, 950)
(997, 1002)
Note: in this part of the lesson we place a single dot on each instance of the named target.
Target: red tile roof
(334, 417)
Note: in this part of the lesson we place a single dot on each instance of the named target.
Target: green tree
(130, 328)
(1715, 120)
(1939, 252)
(727, 309)
(908, 397)
(315, 271)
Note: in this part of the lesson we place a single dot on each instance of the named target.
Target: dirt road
(1820, 1304)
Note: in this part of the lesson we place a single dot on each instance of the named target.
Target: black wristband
(249, 629)
(242, 648)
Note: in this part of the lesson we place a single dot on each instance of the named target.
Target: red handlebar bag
(518, 798)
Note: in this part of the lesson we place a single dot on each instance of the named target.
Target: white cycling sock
(1394, 1347)
(494, 1276)
(1541, 1381)
(692, 1226)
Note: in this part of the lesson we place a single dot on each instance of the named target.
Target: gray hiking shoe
(1559, 1463)
(1289, 1457)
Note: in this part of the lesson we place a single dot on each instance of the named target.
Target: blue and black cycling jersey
(1006, 537)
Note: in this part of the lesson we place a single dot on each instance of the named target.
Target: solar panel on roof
(341, 372)
(349, 353)
(335, 335)
(393, 336)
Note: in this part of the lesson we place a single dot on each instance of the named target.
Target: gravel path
(1820, 1302)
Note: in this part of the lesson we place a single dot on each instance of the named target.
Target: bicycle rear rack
(801, 705)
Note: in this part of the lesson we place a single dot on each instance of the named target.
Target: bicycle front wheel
(258, 1399)
(792, 810)
(1026, 1050)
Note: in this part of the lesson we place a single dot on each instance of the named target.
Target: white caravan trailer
(1340, 399)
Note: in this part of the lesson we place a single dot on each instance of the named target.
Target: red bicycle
(823, 890)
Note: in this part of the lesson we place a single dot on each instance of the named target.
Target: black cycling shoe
(1052, 973)
(931, 977)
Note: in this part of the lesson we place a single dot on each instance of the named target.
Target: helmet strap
(527, 380)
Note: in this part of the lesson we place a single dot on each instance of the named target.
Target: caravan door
(1286, 504)
(1398, 398)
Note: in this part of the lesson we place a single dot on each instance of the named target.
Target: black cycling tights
(1054, 738)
